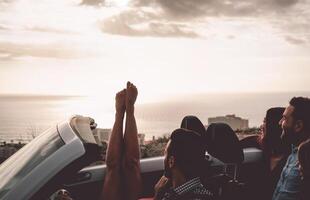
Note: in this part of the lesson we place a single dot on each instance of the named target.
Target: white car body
(41, 167)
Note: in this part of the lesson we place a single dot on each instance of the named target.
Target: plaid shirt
(191, 190)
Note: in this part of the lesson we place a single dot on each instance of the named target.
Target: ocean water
(23, 117)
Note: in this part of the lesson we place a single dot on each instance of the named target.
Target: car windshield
(26, 159)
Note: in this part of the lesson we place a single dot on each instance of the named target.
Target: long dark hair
(271, 141)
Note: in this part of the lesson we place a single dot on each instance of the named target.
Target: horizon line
(181, 94)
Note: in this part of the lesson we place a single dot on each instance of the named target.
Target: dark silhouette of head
(296, 121)
(184, 153)
(191, 122)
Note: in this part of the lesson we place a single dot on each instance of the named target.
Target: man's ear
(171, 161)
(299, 126)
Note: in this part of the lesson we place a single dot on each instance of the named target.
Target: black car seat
(223, 144)
(193, 123)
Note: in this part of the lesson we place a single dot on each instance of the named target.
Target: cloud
(283, 15)
(3, 27)
(5, 57)
(185, 9)
(43, 29)
(48, 30)
(231, 37)
(284, 3)
(139, 23)
(5, 1)
(92, 2)
(14, 50)
(295, 41)
(183, 18)
(294, 26)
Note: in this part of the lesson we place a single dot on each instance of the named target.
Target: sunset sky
(166, 47)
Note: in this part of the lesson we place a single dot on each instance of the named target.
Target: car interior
(231, 172)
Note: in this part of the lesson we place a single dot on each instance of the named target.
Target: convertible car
(60, 158)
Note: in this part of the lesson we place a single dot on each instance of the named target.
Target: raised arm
(112, 188)
(131, 161)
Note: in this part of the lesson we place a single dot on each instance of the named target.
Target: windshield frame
(27, 158)
(72, 150)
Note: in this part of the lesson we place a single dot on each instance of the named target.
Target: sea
(23, 117)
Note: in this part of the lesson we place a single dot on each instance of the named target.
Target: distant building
(141, 138)
(102, 134)
(236, 123)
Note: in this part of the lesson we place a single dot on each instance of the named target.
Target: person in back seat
(296, 129)
(184, 161)
(304, 166)
(275, 151)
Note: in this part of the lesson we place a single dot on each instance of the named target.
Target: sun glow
(117, 2)
(67, 48)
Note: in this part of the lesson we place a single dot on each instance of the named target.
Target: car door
(87, 183)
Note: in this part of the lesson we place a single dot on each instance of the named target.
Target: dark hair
(301, 110)
(187, 148)
(304, 157)
(192, 123)
(272, 139)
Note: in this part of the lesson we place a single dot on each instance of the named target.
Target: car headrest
(193, 123)
(222, 143)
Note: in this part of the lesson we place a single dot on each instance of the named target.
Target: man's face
(167, 172)
(287, 123)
